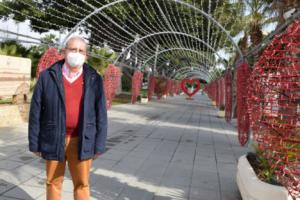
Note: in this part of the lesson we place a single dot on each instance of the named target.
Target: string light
(143, 18)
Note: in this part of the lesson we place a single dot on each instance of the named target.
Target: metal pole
(155, 61)
(18, 34)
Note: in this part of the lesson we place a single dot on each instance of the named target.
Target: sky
(23, 28)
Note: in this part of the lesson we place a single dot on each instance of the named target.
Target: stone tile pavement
(163, 150)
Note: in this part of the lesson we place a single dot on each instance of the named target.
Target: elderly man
(68, 120)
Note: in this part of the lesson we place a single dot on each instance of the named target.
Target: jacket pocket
(48, 138)
(89, 137)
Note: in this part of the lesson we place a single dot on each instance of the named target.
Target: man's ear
(63, 52)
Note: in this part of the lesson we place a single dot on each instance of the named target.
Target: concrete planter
(144, 100)
(11, 115)
(221, 113)
(252, 188)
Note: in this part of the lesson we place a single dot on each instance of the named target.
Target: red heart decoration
(185, 88)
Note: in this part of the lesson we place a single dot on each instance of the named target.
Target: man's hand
(96, 156)
(38, 154)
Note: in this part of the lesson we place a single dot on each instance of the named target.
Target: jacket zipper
(60, 144)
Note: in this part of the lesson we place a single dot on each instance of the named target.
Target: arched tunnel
(226, 77)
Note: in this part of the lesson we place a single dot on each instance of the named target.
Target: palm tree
(100, 58)
(259, 13)
(13, 48)
(282, 6)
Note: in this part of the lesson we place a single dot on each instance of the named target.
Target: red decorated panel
(228, 96)
(178, 87)
(136, 85)
(171, 91)
(274, 105)
(111, 83)
(212, 89)
(151, 86)
(160, 87)
(208, 88)
(242, 87)
(169, 87)
(48, 58)
(217, 98)
(221, 85)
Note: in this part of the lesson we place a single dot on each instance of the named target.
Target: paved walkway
(172, 149)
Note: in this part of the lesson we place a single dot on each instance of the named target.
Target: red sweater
(73, 100)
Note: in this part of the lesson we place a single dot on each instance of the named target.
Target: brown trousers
(79, 171)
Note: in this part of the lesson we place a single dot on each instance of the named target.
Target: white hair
(78, 38)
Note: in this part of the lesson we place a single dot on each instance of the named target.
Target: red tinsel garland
(171, 92)
(160, 87)
(48, 58)
(228, 96)
(169, 87)
(212, 91)
(242, 86)
(217, 98)
(111, 83)
(274, 105)
(178, 87)
(136, 85)
(151, 86)
(222, 92)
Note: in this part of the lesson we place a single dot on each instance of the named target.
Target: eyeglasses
(74, 50)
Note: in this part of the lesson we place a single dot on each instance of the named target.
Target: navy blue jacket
(47, 116)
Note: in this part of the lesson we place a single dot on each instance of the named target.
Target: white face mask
(75, 59)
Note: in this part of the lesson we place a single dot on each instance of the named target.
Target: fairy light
(106, 29)
(142, 18)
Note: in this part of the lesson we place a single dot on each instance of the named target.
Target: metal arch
(192, 76)
(172, 68)
(171, 73)
(193, 64)
(214, 21)
(167, 32)
(90, 15)
(189, 69)
(206, 60)
(173, 49)
(177, 1)
(192, 71)
(195, 77)
(197, 66)
(187, 74)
